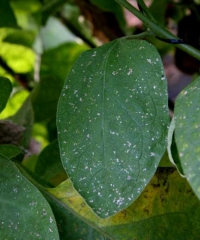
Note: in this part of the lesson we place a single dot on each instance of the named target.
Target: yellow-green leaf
(167, 200)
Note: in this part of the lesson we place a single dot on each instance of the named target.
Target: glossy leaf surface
(187, 133)
(24, 211)
(112, 123)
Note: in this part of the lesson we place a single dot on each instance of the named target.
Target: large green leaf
(5, 91)
(25, 214)
(112, 122)
(187, 132)
(166, 201)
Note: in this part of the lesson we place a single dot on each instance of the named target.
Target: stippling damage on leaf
(112, 123)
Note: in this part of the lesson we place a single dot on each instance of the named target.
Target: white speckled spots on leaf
(31, 214)
(114, 114)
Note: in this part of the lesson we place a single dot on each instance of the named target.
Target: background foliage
(40, 41)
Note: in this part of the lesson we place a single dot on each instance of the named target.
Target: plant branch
(158, 30)
(139, 36)
(145, 10)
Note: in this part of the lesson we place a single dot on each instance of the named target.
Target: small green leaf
(49, 165)
(187, 132)
(10, 151)
(5, 91)
(112, 122)
(25, 214)
(21, 37)
(14, 103)
(20, 58)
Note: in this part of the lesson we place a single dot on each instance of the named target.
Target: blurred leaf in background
(7, 15)
(49, 166)
(5, 91)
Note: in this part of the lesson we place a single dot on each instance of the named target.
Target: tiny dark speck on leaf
(164, 182)
(189, 191)
(124, 213)
(146, 210)
(167, 189)
(162, 198)
(156, 185)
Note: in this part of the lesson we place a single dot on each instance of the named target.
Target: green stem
(158, 30)
(146, 10)
(139, 36)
